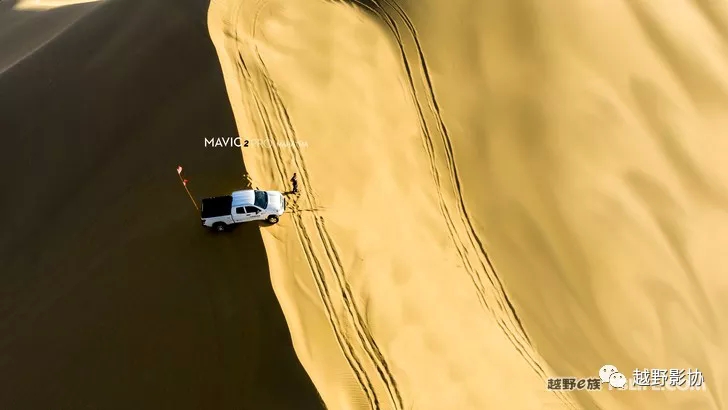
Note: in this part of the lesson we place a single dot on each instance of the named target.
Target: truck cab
(221, 212)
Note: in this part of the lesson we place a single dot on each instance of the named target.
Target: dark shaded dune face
(111, 293)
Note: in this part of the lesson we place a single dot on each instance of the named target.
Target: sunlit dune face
(48, 4)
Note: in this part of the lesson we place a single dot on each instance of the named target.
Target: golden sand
(492, 193)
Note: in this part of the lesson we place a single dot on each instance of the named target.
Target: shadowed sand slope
(111, 294)
(492, 193)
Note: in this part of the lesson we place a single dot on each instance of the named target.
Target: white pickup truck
(221, 212)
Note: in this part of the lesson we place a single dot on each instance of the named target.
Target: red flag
(184, 182)
(179, 169)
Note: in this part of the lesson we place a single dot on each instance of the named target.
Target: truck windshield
(261, 199)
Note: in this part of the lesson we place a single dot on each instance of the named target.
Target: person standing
(294, 181)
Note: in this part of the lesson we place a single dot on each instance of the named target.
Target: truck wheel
(219, 227)
(272, 219)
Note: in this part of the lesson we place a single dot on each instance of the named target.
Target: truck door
(252, 213)
(240, 214)
(260, 214)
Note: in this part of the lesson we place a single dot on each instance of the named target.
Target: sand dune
(493, 193)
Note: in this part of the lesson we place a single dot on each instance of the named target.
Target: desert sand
(492, 193)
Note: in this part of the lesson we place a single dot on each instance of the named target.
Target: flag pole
(184, 184)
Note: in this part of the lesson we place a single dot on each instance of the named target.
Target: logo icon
(606, 372)
(609, 374)
(617, 380)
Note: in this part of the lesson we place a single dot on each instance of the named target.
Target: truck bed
(216, 206)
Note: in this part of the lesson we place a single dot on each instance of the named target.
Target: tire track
(475, 240)
(430, 151)
(319, 275)
(307, 244)
(444, 209)
(427, 143)
(368, 343)
(485, 263)
(519, 338)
